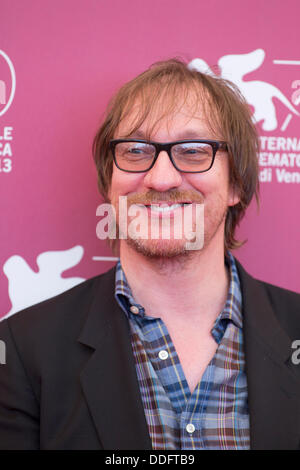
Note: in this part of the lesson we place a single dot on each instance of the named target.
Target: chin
(158, 249)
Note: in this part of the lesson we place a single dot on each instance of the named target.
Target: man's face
(163, 184)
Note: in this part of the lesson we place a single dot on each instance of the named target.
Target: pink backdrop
(69, 56)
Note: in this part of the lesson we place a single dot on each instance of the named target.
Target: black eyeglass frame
(159, 147)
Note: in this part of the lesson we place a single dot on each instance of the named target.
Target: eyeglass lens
(187, 156)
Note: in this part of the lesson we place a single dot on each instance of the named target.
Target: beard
(156, 249)
(174, 247)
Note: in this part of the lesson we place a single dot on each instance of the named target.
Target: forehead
(185, 115)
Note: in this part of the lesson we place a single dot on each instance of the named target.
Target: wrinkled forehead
(154, 107)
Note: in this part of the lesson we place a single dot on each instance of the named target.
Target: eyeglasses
(188, 156)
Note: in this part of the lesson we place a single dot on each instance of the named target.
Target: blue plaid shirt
(215, 415)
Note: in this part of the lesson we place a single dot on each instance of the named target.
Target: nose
(163, 175)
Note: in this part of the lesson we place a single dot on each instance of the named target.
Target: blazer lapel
(273, 382)
(109, 379)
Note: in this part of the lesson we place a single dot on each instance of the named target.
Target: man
(175, 347)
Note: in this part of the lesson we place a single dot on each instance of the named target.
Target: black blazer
(69, 381)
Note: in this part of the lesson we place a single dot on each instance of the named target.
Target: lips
(164, 208)
(167, 204)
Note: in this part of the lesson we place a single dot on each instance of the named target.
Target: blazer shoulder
(285, 303)
(277, 293)
(68, 308)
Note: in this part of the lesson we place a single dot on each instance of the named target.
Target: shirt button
(190, 428)
(134, 309)
(163, 355)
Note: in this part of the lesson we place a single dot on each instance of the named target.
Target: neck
(194, 287)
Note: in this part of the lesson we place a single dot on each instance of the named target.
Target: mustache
(172, 195)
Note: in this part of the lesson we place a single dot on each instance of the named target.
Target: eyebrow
(185, 135)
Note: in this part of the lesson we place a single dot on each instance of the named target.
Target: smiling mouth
(164, 207)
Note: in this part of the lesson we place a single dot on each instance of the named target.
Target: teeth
(165, 209)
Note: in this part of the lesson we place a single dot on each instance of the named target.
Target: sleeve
(19, 408)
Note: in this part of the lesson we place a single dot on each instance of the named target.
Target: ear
(233, 196)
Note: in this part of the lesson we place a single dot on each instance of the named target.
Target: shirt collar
(232, 311)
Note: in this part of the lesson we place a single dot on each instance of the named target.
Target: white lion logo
(27, 287)
(257, 93)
